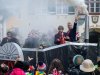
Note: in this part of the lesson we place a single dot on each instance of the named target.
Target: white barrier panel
(70, 43)
(58, 46)
(10, 51)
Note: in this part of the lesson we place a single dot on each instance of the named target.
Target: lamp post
(86, 28)
(85, 18)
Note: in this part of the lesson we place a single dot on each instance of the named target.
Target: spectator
(26, 66)
(60, 37)
(4, 69)
(87, 68)
(28, 69)
(97, 71)
(41, 67)
(77, 60)
(18, 69)
(10, 38)
(56, 67)
(71, 33)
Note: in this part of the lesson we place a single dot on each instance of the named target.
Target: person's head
(60, 28)
(78, 59)
(26, 66)
(18, 64)
(9, 35)
(70, 26)
(41, 66)
(87, 66)
(56, 63)
(4, 68)
(22, 65)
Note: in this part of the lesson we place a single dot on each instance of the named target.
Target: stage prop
(10, 51)
(64, 52)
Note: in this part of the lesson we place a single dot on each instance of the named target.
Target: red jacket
(17, 71)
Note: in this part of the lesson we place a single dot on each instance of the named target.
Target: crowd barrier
(64, 52)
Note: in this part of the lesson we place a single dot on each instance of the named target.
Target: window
(59, 7)
(93, 6)
(52, 6)
(71, 10)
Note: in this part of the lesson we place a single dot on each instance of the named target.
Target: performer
(60, 37)
(9, 38)
(71, 33)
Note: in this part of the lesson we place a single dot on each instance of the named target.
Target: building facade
(46, 15)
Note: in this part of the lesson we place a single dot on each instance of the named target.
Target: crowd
(81, 67)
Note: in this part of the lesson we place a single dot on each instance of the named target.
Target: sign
(81, 20)
(10, 51)
(95, 19)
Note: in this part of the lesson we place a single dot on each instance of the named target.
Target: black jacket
(57, 36)
(87, 73)
(72, 33)
(74, 70)
(97, 72)
(6, 40)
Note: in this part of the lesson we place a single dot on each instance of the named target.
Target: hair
(19, 64)
(40, 63)
(26, 65)
(22, 65)
(13, 34)
(56, 63)
(9, 32)
(69, 23)
(60, 28)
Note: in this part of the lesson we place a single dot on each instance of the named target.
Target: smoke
(80, 6)
(76, 2)
(33, 14)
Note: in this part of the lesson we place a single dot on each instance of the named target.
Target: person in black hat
(10, 38)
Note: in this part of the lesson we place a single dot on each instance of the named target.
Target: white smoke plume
(81, 7)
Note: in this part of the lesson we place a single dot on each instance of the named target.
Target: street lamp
(84, 17)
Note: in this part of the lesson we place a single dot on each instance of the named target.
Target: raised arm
(75, 24)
